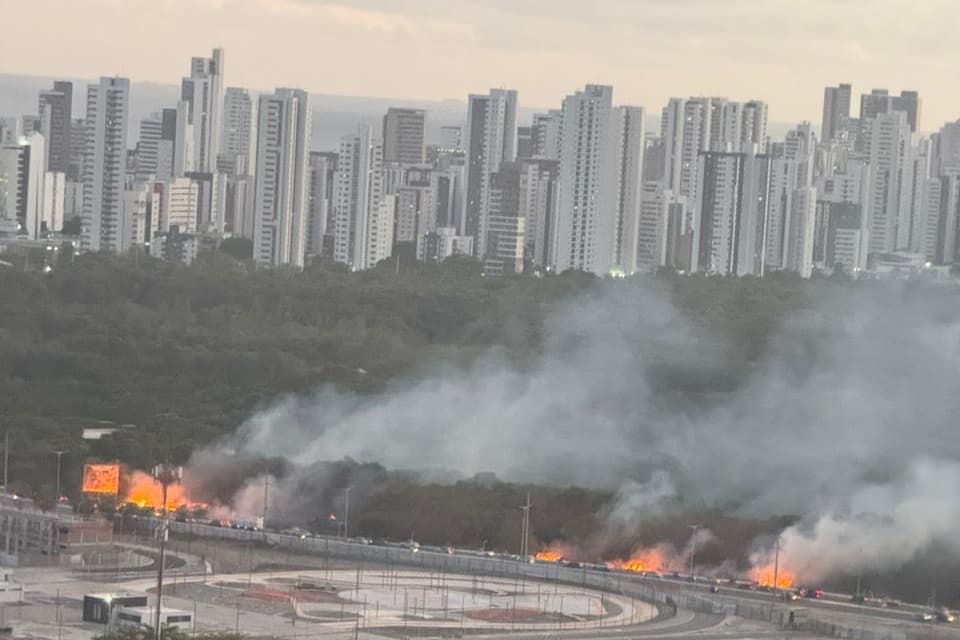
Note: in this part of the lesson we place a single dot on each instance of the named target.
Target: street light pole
(346, 513)
(525, 530)
(693, 550)
(56, 497)
(166, 475)
(776, 576)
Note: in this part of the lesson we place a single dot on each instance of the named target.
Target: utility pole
(776, 576)
(693, 549)
(266, 497)
(525, 530)
(346, 513)
(6, 460)
(166, 475)
(56, 497)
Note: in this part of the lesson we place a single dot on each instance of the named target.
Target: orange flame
(556, 552)
(145, 491)
(642, 560)
(764, 576)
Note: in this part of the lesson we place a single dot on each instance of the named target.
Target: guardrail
(667, 595)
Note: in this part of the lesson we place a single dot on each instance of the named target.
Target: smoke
(846, 420)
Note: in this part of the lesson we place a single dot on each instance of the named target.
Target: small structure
(10, 590)
(98, 607)
(146, 616)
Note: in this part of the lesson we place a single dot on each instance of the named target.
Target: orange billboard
(102, 479)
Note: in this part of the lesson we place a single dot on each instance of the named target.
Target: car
(814, 594)
(945, 616)
(715, 588)
(923, 616)
(892, 603)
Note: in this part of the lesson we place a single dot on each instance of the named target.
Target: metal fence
(667, 595)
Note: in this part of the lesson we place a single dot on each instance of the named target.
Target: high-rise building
(888, 149)
(836, 111)
(599, 187)
(685, 130)
(506, 228)
(104, 164)
(323, 167)
(56, 116)
(843, 217)
(155, 148)
(451, 139)
(788, 220)
(730, 213)
(538, 200)
(238, 138)
(945, 148)
(738, 127)
(361, 211)
(403, 135)
(545, 135)
(491, 138)
(658, 239)
(203, 94)
(880, 101)
(281, 185)
(54, 200)
(23, 168)
(948, 220)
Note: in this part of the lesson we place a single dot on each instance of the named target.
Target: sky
(782, 51)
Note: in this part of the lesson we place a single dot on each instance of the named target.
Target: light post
(56, 497)
(166, 475)
(859, 575)
(693, 550)
(776, 578)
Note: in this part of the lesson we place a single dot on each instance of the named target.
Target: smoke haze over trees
(828, 408)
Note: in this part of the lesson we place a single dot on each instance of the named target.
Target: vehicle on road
(945, 616)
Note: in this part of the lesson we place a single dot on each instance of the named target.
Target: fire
(764, 576)
(556, 552)
(641, 560)
(145, 491)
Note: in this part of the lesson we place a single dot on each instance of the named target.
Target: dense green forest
(183, 355)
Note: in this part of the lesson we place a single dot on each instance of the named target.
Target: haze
(781, 50)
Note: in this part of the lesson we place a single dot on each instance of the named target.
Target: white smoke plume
(848, 420)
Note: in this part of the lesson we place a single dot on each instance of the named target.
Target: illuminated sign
(102, 479)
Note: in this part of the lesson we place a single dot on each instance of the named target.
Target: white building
(491, 138)
(730, 214)
(54, 199)
(437, 246)
(283, 156)
(599, 185)
(239, 132)
(888, 150)
(658, 239)
(203, 93)
(104, 162)
(358, 201)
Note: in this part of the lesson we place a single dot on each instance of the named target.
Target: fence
(667, 595)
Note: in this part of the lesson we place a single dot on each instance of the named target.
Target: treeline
(185, 354)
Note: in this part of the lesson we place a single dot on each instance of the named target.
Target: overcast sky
(783, 51)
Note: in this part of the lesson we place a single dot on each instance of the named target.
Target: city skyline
(648, 49)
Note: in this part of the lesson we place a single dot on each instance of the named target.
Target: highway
(665, 590)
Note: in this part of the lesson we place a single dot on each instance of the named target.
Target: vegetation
(184, 354)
